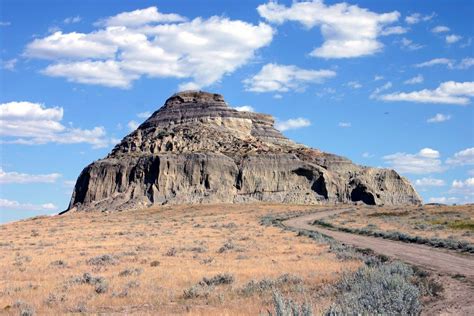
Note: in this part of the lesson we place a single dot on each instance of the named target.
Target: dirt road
(459, 294)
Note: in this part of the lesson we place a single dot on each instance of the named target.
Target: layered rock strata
(197, 149)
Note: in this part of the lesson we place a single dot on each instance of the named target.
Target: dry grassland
(430, 221)
(154, 261)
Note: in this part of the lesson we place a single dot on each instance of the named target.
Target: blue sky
(384, 83)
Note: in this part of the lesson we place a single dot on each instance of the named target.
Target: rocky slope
(197, 149)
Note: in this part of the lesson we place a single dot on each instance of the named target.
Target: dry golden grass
(431, 221)
(136, 239)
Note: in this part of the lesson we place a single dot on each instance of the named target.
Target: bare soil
(455, 271)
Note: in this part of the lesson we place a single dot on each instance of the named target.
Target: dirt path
(458, 295)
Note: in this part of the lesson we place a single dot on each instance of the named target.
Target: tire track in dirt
(458, 296)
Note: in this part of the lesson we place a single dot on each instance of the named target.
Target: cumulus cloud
(148, 43)
(417, 18)
(463, 186)
(348, 30)
(415, 80)
(450, 92)
(292, 124)
(283, 78)
(107, 73)
(246, 108)
(429, 182)
(10, 205)
(141, 17)
(438, 118)
(453, 38)
(463, 157)
(440, 29)
(16, 177)
(32, 123)
(423, 162)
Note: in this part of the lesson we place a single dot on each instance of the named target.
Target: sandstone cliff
(197, 149)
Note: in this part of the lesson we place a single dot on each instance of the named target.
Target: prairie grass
(145, 261)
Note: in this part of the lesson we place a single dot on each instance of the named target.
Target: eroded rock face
(197, 149)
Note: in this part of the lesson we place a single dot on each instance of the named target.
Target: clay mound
(197, 149)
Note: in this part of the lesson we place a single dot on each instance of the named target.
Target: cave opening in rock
(360, 193)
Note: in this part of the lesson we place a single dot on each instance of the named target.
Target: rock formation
(197, 149)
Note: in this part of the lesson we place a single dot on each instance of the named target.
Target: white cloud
(5, 23)
(367, 155)
(415, 80)
(141, 17)
(354, 84)
(440, 29)
(429, 182)
(378, 77)
(394, 30)
(144, 115)
(247, 108)
(70, 46)
(409, 44)
(344, 124)
(438, 118)
(32, 123)
(9, 64)
(292, 124)
(380, 89)
(72, 19)
(133, 125)
(466, 63)
(463, 157)
(436, 61)
(10, 205)
(443, 200)
(107, 73)
(449, 92)
(16, 177)
(283, 78)
(453, 38)
(424, 162)
(417, 17)
(463, 187)
(132, 45)
(348, 30)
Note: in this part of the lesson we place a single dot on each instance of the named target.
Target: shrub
(206, 285)
(131, 271)
(171, 252)
(102, 260)
(382, 289)
(226, 247)
(287, 307)
(224, 278)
